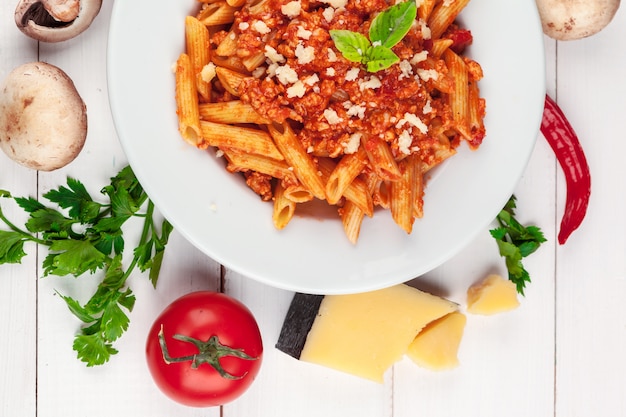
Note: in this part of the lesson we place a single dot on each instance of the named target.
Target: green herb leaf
(11, 247)
(380, 58)
(352, 45)
(515, 242)
(390, 26)
(84, 235)
(73, 257)
(93, 349)
(386, 30)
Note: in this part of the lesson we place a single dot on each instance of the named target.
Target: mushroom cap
(43, 119)
(575, 19)
(35, 21)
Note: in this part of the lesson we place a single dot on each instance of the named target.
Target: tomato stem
(209, 352)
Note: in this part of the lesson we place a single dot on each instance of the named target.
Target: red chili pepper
(564, 142)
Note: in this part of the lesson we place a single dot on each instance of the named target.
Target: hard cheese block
(436, 347)
(492, 295)
(364, 334)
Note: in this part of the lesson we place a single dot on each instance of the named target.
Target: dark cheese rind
(298, 323)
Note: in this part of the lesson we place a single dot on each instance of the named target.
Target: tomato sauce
(331, 99)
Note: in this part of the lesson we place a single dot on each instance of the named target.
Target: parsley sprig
(515, 242)
(83, 235)
(386, 30)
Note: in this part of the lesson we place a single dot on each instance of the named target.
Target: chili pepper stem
(209, 352)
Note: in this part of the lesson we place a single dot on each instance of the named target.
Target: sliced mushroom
(55, 20)
(43, 119)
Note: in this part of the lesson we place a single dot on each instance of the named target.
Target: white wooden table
(560, 354)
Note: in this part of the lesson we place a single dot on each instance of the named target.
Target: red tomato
(204, 316)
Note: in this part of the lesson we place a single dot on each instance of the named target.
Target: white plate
(224, 219)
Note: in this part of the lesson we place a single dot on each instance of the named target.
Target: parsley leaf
(515, 242)
(386, 30)
(83, 235)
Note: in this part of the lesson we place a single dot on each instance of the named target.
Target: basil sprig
(387, 29)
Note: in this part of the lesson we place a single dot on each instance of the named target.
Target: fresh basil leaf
(352, 45)
(391, 25)
(380, 58)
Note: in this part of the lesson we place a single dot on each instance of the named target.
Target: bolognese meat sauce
(334, 104)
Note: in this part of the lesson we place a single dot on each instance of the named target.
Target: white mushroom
(43, 119)
(575, 19)
(55, 20)
(62, 10)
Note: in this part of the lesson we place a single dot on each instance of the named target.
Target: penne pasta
(187, 101)
(231, 112)
(242, 139)
(459, 97)
(230, 79)
(444, 15)
(245, 161)
(303, 165)
(401, 197)
(352, 215)
(284, 208)
(217, 13)
(228, 46)
(380, 157)
(197, 44)
(356, 192)
(348, 168)
(264, 93)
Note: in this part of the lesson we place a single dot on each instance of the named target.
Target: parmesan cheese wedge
(436, 347)
(492, 295)
(364, 334)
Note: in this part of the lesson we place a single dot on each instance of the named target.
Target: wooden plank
(591, 267)
(18, 283)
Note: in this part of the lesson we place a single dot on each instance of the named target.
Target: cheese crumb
(261, 27)
(332, 56)
(305, 55)
(291, 9)
(273, 55)
(330, 71)
(336, 3)
(414, 121)
(329, 14)
(286, 75)
(406, 68)
(208, 72)
(419, 57)
(243, 26)
(404, 142)
(353, 143)
(426, 32)
(312, 79)
(304, 33)
(352, 74)
(354, 109)
(332, 117)
(427, 107)
(371, 83)
(296, 90)
(427, 74)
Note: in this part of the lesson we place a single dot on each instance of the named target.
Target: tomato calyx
(209, 352)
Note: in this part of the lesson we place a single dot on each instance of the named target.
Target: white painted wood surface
(560, 354)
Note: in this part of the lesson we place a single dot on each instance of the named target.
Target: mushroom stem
(55, 20)
(62, 10)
